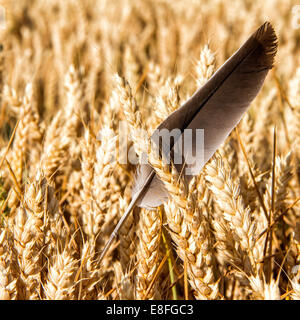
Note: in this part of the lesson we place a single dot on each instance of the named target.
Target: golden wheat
(70, 73)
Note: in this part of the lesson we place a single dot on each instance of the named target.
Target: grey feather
(217, 107)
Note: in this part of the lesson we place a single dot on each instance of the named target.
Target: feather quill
(216, 107)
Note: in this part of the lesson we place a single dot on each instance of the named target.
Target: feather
(216, 107)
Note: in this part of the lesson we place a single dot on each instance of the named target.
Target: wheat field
(71, 72)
